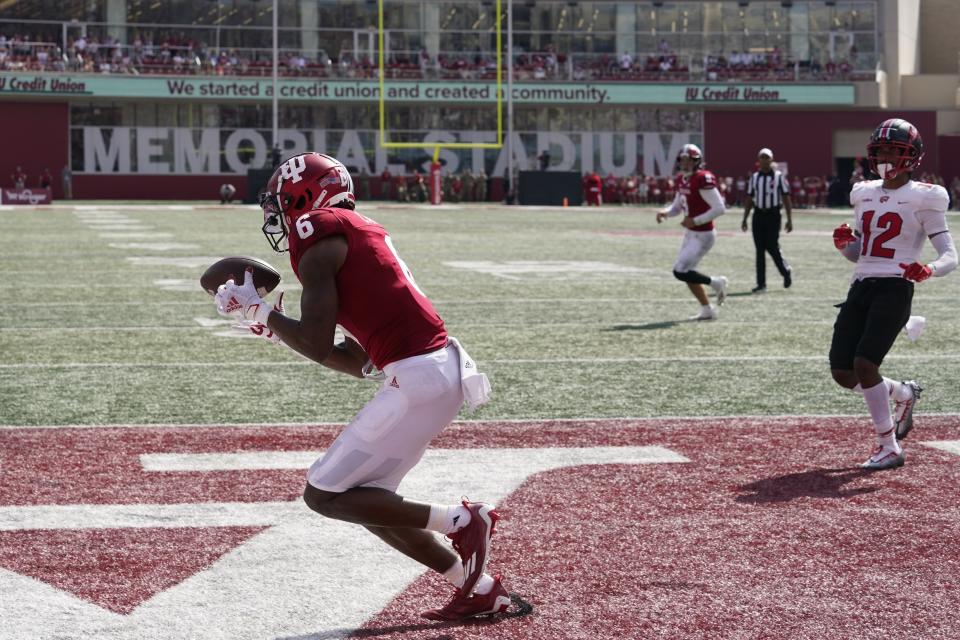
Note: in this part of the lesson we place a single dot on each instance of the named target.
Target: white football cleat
(903, 411)
(706, 313)
(719, 285)
(885, 458)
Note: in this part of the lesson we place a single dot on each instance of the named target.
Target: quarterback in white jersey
(892, 218)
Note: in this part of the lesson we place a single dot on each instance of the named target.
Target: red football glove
(843, 236)
(916, 271)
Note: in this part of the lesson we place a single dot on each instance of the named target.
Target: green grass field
(573, 313)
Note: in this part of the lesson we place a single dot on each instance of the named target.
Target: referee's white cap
(765, 152)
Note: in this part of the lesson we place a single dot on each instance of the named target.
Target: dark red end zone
(769, 532)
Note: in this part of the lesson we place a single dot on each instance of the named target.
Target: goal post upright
(436, 147)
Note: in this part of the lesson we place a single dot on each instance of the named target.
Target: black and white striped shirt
(767, 189)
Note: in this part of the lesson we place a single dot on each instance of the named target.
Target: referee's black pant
(766, 239)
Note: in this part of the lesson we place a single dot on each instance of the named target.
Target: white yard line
(777, 417)
(950, 446)
(586, 361)
(595, 326)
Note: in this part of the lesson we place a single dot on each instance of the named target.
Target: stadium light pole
(276, 101)
(509, 141)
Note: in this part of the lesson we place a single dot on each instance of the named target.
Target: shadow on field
(818, 483)
(520, 608)
(645, 327)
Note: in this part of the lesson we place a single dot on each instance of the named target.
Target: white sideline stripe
(135, 207)
(299, 363)
(189, 262)
(950, 446)
(498, 302)
(303, 459)
(513, 464)
(777, 417)
(154, 246)
(146, 235)
(509, 325)
(765, 298)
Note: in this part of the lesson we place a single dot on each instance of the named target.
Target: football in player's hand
(265, 277)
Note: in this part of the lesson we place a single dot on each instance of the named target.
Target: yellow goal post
(440, 145)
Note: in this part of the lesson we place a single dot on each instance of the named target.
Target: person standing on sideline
(700, 203)
(19, 178)
(767, 190)
(891, 218)
(66, 176)
(352, 276)
(593, 189)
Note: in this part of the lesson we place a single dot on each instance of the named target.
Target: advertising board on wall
(26, 196)
(426, 91)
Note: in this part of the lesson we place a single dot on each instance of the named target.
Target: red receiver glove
(916, 271)
(843, 236)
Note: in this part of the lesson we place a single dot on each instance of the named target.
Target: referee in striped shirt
(767, 191)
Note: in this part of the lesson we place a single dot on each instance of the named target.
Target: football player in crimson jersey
(352, 276)
(891, 218)
(700, 203)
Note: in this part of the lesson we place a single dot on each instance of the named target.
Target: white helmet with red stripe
(695, 156)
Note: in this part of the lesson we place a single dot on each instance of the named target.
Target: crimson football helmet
(693, 152)
(905, 138)
(300, 184)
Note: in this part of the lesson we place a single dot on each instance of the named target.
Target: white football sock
(878, 403)
(447, 519)
(484, 585)
(454, 575)
(898, 391)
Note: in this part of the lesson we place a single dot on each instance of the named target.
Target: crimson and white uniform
(379, 303)
(381, 306)
(689, 187)
(893, 224)
(690, 202)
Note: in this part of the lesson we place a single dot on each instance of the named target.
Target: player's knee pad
(684, 276)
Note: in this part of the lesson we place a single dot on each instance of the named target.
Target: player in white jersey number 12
(892, 216)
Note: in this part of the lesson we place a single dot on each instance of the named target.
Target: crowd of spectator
(463, 186)
(165, 51)
(806, 192)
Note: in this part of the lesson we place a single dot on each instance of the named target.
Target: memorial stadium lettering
(182, 151)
